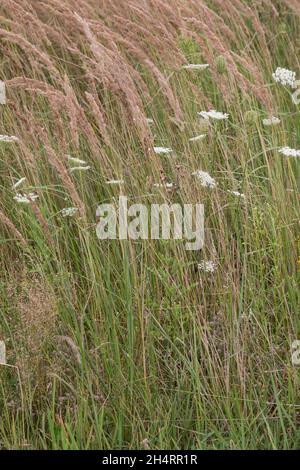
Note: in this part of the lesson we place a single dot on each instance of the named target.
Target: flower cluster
(25, 198)
(69, 211)
(273, 121)
(288, 152)
(206, 180)
(284, 76)
(207, 266)
(213, 114)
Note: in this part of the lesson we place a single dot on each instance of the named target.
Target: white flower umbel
(2, 93)
(69, 211)
(284, 76)
(213, 114)
(9, 138)
(18, 183)
(237, 194)
(207, 266)
(288, 152)
(162, 150)
(205, 179)
(2, 353)
(115, 182)
(76, 160)
(197, 138)
(273, 121)
(195, 66)
(25, 198)
(149, 120)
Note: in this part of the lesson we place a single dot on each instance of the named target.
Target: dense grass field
(141, 344)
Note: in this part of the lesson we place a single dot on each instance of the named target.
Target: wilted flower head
(273, 121)
(115, 182)
(76, 160)
(2, 353)
(162, 150)
(25, 198)
(284, 76)
(195, 66)
(69, 211)
(2, 93)
(288, 152)
(79, 168)
(19, 183)
(207, 266)
(8, 138)
(213, 114)
(205, 179)
(197, 137)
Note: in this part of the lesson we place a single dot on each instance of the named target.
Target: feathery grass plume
(63, 173)
(61, 340)
(12, 228)
(98, 112)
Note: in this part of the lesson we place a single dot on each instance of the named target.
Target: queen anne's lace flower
(207, 266)
(8, 138)
(25, 198)
(162, 150)
(273, 121)
(288, 152)
(69, 211)
(213, 114)
(205, 179)
(284, 76)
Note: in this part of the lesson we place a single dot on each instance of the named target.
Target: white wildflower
(237, 194)
(18, 183)
(8, 138)
(284, 76)
(25, 198)
(288, 152)
(207, 266)
(197, 137)
(76, 160)
(213, 114)
(195, 66)
(162, 150)
(2, 93)
(115, 182)
(149, 120)
(2, 353)
(205, 179)
(273, 121)
(69, 211)
(79, 168)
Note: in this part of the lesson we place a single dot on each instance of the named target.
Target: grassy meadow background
(130, 344)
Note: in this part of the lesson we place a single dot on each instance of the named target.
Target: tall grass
(128, 344)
